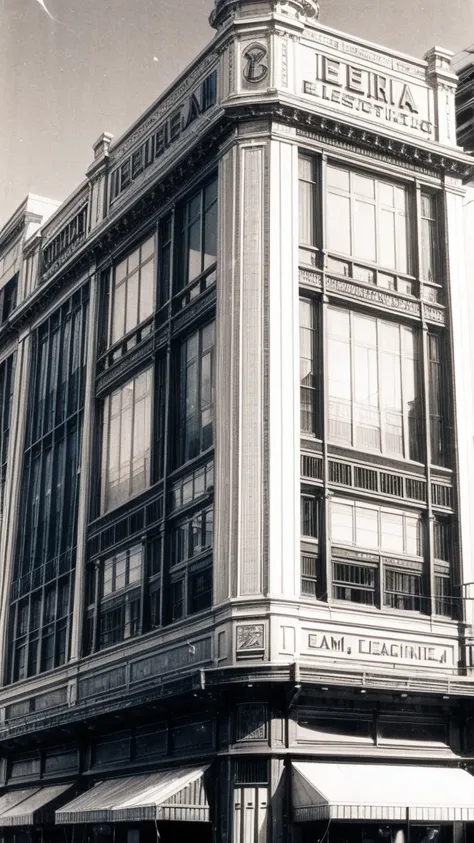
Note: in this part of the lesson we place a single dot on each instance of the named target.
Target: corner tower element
(228, 10)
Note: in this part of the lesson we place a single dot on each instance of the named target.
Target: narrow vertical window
(126, 441)
(308, 209)
(308, 373)
(164, 268)
(429, 238)
(436, 400)
(199, 233)
(196, 408)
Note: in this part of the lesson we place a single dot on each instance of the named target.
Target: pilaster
(462, 310)
(84, 487)
(13, 489)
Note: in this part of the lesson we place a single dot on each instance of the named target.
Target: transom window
(373, 384)
(375, 528)
(126, 441)
(133, 290)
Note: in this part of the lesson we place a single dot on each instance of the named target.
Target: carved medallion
(256, 68)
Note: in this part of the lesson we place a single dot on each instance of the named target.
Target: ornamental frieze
(374, 296)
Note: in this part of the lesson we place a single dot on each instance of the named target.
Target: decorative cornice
(117, 153)
(359, 140)
(64, 215)
(102, 241)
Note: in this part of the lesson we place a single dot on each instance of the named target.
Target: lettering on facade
(256, 68)
(165, 135)
(367, 93)
(377, 648)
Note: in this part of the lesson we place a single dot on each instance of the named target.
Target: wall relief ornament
(250, 637)
(256, 67)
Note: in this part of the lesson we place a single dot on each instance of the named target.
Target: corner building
(237, 555)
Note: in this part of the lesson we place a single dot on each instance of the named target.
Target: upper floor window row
(73, 231)
(170, 130)
(178, 260)
(370, 224)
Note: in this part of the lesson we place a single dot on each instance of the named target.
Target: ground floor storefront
(254, 765)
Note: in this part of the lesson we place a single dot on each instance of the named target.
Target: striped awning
(177, 794)
(381, 792)
(31, 806)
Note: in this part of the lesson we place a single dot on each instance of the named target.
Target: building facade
(237, 580)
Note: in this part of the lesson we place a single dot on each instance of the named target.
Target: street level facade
(237, 459)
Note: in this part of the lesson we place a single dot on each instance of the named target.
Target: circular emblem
(256, 68)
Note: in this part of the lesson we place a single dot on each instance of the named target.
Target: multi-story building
(237, 567)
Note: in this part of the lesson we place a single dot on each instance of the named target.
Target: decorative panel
(251, 368)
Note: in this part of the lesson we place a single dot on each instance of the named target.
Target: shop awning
(31, 806)
(381, 792)
(169, 795)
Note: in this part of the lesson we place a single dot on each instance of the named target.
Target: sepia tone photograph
(236, 421)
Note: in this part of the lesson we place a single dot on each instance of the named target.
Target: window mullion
(381, 414)
(353, 376)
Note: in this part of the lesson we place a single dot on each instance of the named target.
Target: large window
(42, 587)
(198, 241)
(367, 218)
(371, 527)
(373, 385)
(196, 402)
(133, 290)
(126, 441)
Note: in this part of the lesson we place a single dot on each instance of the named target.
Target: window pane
(363, 186)
(147, 290)
(307, 213)
(413, 536)
(194, 251)
(120, 571)
(338, 224)
(118, 316)
(367, 527)
(337, 177)
(387, 239)
(364, 231)
(210, 236)
(392, 532)
(131, 318)
(342, 523)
